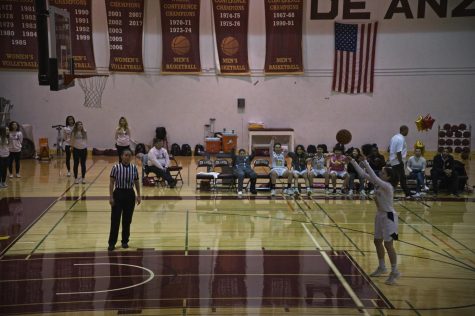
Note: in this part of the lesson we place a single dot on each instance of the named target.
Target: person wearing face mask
(443, 169)
(242, 168)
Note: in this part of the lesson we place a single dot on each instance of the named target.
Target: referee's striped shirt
(124, 175)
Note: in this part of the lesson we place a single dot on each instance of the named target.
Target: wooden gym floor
(197, 253)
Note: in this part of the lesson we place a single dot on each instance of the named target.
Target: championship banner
(231, 28)
(180, 36)
(125, 26)
(283, 36)
(81, 32)
(18, 43)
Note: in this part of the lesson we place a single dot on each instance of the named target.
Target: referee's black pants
(124, 204)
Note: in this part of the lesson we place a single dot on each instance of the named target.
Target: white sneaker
(18, 175)
(76, 181)
(328, 191)
(272, 192)
(371, 192)
(68, 174)
(289, 191)
(10, 176)
(379, 271)
(239, 192)
(393, 276)
(83, 181)
(350, 192)
(362, 193)
(426, 188)
(2, 185)
(416, 195)
(296, 191)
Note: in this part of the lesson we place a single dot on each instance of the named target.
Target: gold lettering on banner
(283, 60)
(126, 67)
(118, 4)
(181, 59)
(181, 67)
(71, 2)
(230, 60)
(19, 56)
(126, 59)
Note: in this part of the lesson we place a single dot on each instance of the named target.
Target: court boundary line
(337, 226)
(150, 278)
(436, 228)
(2, 253)
(65, 213)
(367, 278)
(310, 221)
(337, 272)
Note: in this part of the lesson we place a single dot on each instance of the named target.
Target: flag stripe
(368, 41)
(361, 50)
(353, 68)
(373, 50)
(335, 66)
(341, 71)
(347, 70)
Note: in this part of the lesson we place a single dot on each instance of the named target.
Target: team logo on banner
(81, 32)
(125, 26)
(180, 38)
(284, 36)
(18, 48)
(231, 28)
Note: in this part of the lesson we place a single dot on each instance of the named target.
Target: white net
(93, 88)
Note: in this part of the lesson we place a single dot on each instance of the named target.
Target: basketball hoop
(93, 87)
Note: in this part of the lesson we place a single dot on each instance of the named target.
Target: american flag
(353, 70)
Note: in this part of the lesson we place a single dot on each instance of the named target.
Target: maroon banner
(125, 22)
(81, 32)
(231, 19)
(180, 36)
(18, 46)
(284, 36)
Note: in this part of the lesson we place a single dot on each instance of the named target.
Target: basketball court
(216, 254)
(199, 249)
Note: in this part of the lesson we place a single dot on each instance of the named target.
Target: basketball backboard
(56, 65)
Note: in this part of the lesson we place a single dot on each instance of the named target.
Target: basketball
(180, 45)
(343, 136)
(229, 46)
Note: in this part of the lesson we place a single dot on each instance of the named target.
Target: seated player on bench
(242, 168)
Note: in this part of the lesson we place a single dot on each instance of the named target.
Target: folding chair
(204, 165)
(146, 171)
(226, 176)
(175, 170)
(262, 169)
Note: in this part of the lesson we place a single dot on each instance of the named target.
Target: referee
(123, 177)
